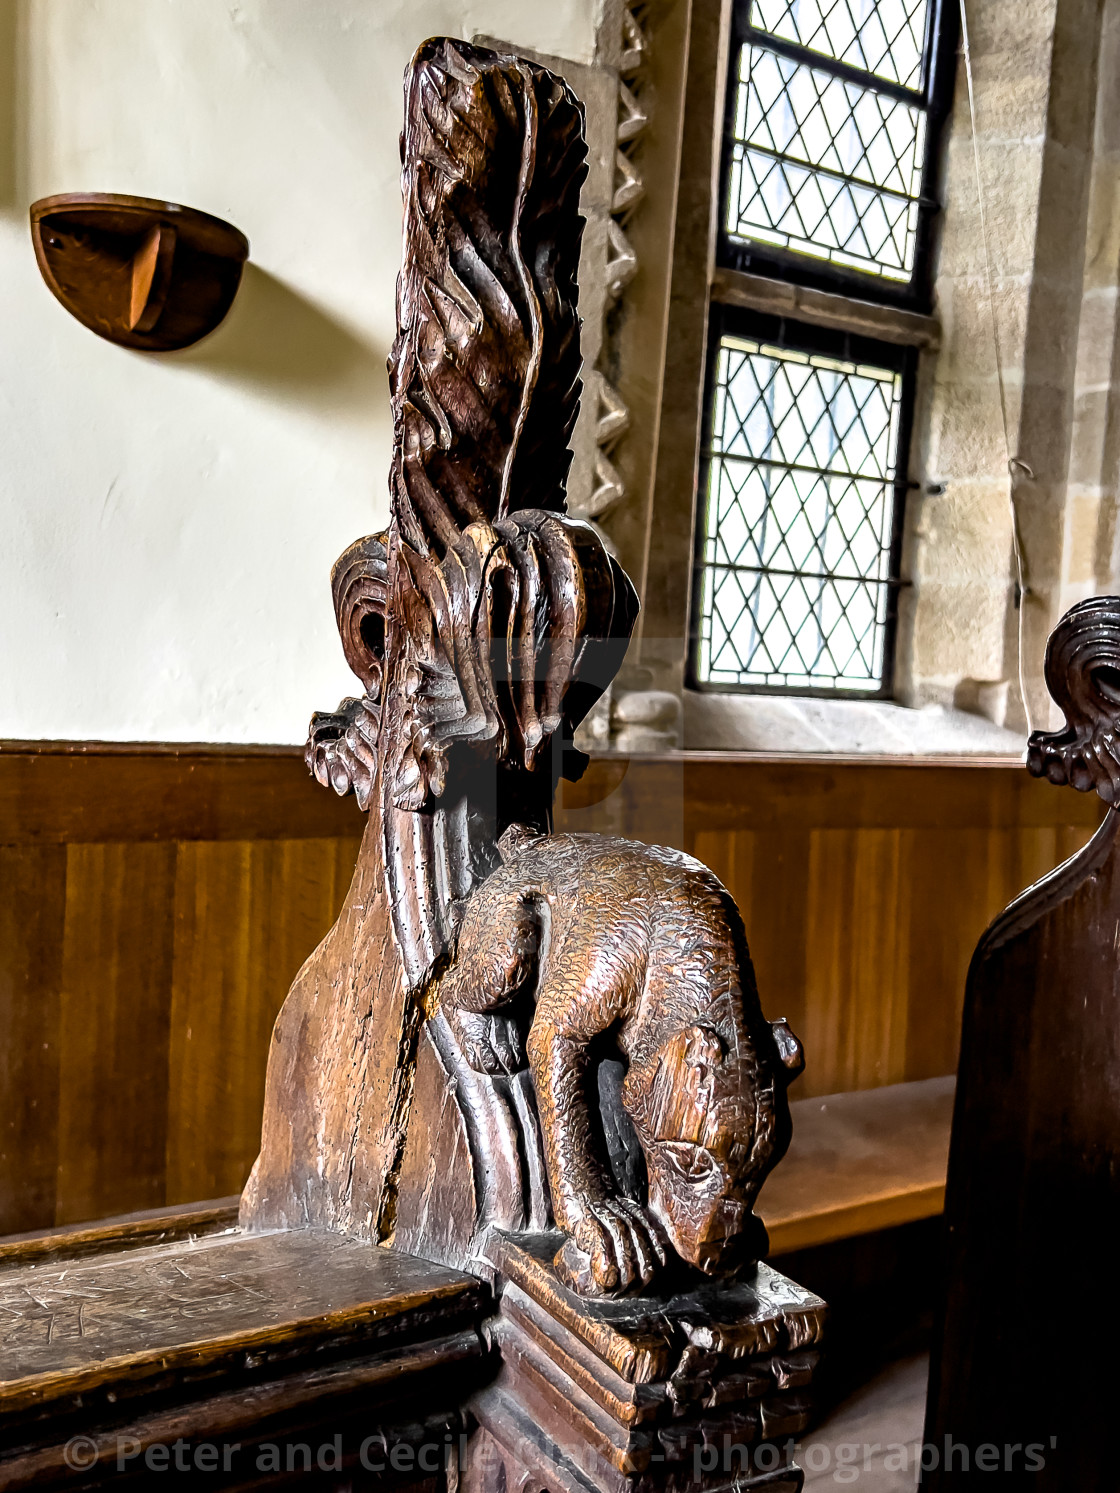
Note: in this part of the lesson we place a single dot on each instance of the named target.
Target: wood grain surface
(155, 906)
(200, 1306)
(1032, 1202)
(146, 1227)
(864, 887)
(858, 1162)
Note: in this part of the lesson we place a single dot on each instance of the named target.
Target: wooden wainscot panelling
(155, 905)
(864, 885)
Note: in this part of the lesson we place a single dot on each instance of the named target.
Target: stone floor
(872, 1441)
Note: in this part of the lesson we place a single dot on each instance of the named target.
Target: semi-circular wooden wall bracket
(141, 273)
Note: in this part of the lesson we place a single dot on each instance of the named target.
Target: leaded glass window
(828, 180)
(828, 129)
(797, 538)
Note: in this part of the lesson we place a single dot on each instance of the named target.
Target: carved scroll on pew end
(1083, 677)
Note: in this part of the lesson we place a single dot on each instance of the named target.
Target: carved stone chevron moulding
(613, 417)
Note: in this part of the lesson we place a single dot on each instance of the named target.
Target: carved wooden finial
(1083, 676)
(538, 1057)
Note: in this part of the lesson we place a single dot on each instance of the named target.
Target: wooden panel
(56, 795)
(247, 914)
(114, 1029)
(720, 791)
(864, 886)
(860, 1162)
(953, 895)
(32, 911)
(856, 960)
(155, 906)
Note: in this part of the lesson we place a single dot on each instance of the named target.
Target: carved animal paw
(490, 1043)
(615, 1246)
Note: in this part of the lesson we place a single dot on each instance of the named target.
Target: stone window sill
(790, 724)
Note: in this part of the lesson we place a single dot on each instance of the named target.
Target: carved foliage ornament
(1083, 676)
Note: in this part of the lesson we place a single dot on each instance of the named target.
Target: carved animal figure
(642, 945)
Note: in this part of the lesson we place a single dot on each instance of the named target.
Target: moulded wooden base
(682, 1389)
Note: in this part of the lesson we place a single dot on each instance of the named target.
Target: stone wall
(1047, 143)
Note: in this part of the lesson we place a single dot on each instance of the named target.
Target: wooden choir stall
(1032, 1205)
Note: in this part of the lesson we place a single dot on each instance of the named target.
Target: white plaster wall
(168, 521)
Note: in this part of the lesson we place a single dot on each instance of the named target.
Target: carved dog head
(712, 1119)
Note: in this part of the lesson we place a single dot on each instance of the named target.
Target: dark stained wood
(482, 627)
(145, 274)
(639, 947)
(1032, 1202)
(149, 1226)
(642, 1342)
(628, 1394)
(509, 1027)
(122, 1319)
(860, 1162)
(229, 1339)
(281, 1426)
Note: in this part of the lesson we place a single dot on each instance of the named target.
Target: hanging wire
(1017, 468)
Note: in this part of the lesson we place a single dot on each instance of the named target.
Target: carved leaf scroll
(341, 748)
(1083, 676)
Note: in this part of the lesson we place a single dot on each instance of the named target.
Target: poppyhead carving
(1083, 676)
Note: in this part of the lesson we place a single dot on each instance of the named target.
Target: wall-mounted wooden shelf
(143, 273)
(859, 1162)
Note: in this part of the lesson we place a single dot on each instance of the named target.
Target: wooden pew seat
(142, 1331)
(218, 1338)
(858, 1162)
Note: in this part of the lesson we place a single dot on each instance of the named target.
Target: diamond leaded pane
(797, 527)
(884, 37)
(824, 167)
